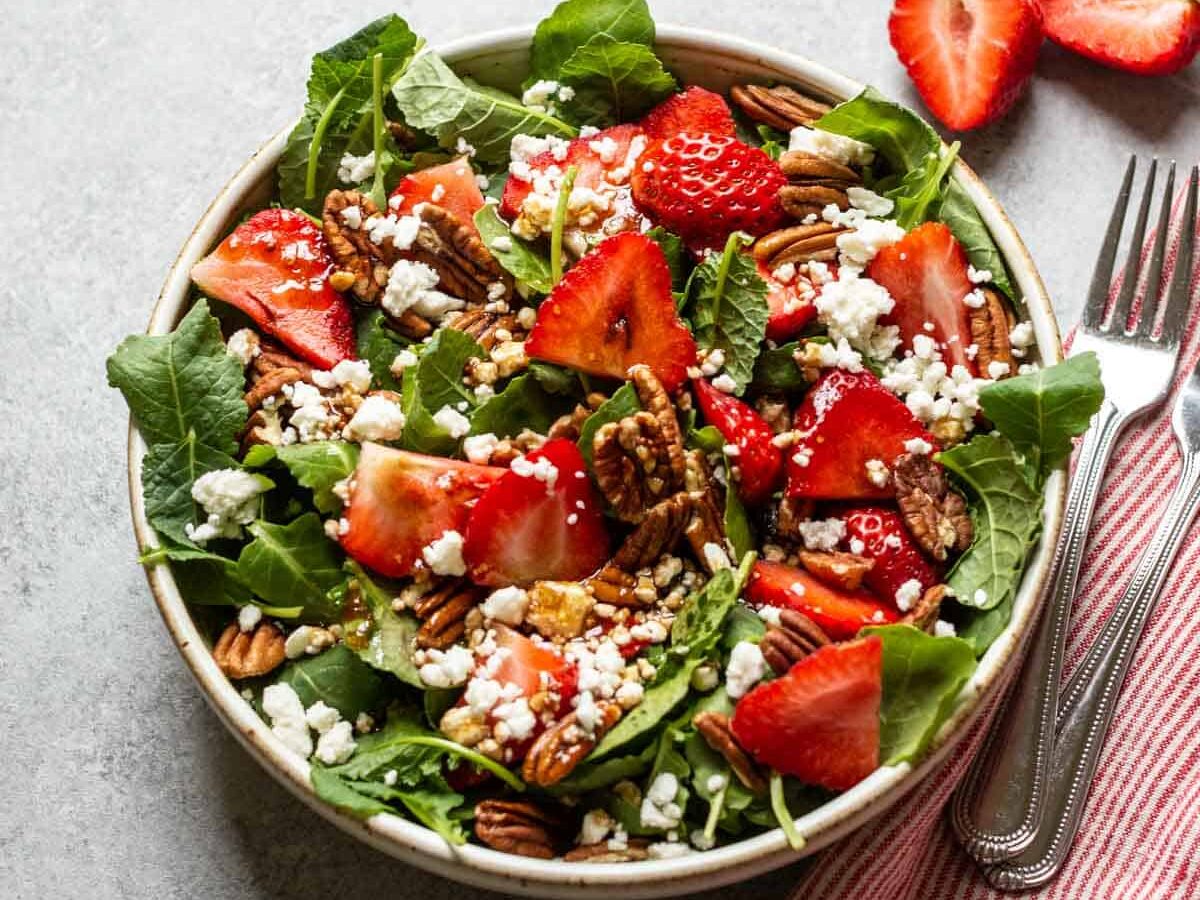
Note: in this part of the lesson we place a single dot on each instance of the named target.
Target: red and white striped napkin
(1140, 838)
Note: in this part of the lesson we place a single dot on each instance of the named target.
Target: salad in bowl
(605, 470)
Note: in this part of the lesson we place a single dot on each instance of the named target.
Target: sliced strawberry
(790, 303)
(926, 274)
(275, 268)
(542, 520)
(880, 534)
(1146, 37)
(401, 502)
(848, 424)
(840, 613)
(451, 186)
(606, 158)
(705, 187)
(820, 721)
(969, 59)
(695, 111)
(759, 463)
(613, 310)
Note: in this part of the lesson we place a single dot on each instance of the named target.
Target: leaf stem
(379, 124)
(469, 755)
(783, 815)
(314, 145)
(556, 227)
(733, 244)
(715, 808)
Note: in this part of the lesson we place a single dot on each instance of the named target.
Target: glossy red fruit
(759, 462)
(1145, 37)
(695, 111)
(401, 502)
(926, 274)
(613, 310)
(969, 59)
(879, 533)
(705, 187)
(451, 186)
(604, 158)
(840, 613)
(275, 268)
(791, 305)
(820, 721)
(847, 420)
(542, 520)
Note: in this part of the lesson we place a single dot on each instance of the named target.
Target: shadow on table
(288, 851)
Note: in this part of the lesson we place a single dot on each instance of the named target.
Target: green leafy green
(666, 692)
(381, 637)
(772, 142)
(293, 565)
(340, 115)
(743, 624)
(727, 305)
(523, 403)
(697, 626)
(436, 381)
(614, 81)
(556, 223)
(677, 260)
(779, 806)
(337, 677)
(434, 99)
(921, 188)
(521, 260)
(1006, 513)
(709, 439)
(576, 22)
(982, 626)
(593, 776)
(737, 523)
(624, 402)
(922, 676)
(210, 580)
(378, 345)
(958, 212)
(317, 466)
(168, 472)
(1041, 412)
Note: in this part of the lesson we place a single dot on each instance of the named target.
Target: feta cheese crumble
(356, 169)
(827, 145)
(822, 534)
(452, 421)
(229, 498)
(412, 285)
(377, 419)
(507, 605)
(444, 556)
(746, 669)
(282, 706)
(908, 594)
(659, 809)
(446, 668)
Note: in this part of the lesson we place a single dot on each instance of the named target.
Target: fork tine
(1097, 298)
(1178, 297)
(1148, 314)
(1133, 263)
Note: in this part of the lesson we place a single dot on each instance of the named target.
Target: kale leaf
(434, 382)
(317, 466)
(576, 22)
(293, 565)
(521, 260)
(389, 635)
(614, 81)
(624, 402)
(523, 403)
(337, 677)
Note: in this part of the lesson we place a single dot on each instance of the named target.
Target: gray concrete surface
(118, 122)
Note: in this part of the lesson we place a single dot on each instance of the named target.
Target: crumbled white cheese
(479, 448)
(446, 668)
(715, 557)
(997, 369)
(975, 299)
(840, 355)
(918, 446)
(352, 217)
(716, 783)
(822, 534)
(412, 285)
(867, 237)
(444, 555)
(248, 618)
(540, 96)
(978, 276)
(596, 826)
(515, 721)
(869, 201)
(507, 605)
(769, 614)
(229, 498)
(877, 472)
(454, 422)
(542, 470)
(390, 777)
(908, 594)
(321, 717)
(336, 745)
(400, 230)
(942, 628)
(462, 148)
(827, 145)
(746, 669)
(980, 597)
(378, 418)
(307, 640)
(243, 345)
(725, 384)
(659, 809)
(282, 705)
(356, 169)
(850, 308)
(629, 694)
(354, 374)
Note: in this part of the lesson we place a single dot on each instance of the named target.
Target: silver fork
(1090, 698)
(998, 808)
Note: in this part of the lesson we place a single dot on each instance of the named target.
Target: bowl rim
(481, 866)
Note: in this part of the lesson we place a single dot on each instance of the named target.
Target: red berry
(791, 305)
(1145, 37)
(451, 186)
(840, 613)
(695, 111)
(758, 461)
(885, 539)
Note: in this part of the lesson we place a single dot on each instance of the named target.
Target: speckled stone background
(118, 122)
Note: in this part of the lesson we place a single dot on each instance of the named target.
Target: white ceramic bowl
(715, 61)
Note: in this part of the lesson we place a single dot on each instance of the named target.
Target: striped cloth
(1140, 838)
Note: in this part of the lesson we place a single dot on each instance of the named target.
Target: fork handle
(998, 807)
(1091, 697)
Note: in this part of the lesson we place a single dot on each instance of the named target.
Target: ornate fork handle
(998, 807)
(1091, 697)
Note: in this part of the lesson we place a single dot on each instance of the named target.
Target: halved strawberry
(885, 539)
(695, 111)
(542, 520)
(840, 613)
(401, 502)
(451, 186)
(704, 187)
(820, 721)
(926, 274)
(613, 310)
(604, 158)
(1146, 37)
(969, 59)
(275, 268)
(848, 425)
(791, 305)
(759, 463)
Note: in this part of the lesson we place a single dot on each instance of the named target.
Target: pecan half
(635, 849)
(520, 826)
(658, 533)
(990, 327)
(616, 587)
(570, 425)
(814, 183)
(840, 570)
(935, 515)
(635, 464)
(795, 637)
(443, 613)
(781, 107)
(924, 614)
(560, 748)
(714, 728)
(488, 328)
(352, 248)
(463, 262)
(707, 527)
(241, 654)
(799, 244)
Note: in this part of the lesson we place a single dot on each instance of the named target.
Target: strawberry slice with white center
(1146, 37)
(401, 502)
(839, 612)
(451, 186)
(749, 442)
(541, 521)
(275, 268)
(926, 274)
(791, 304)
